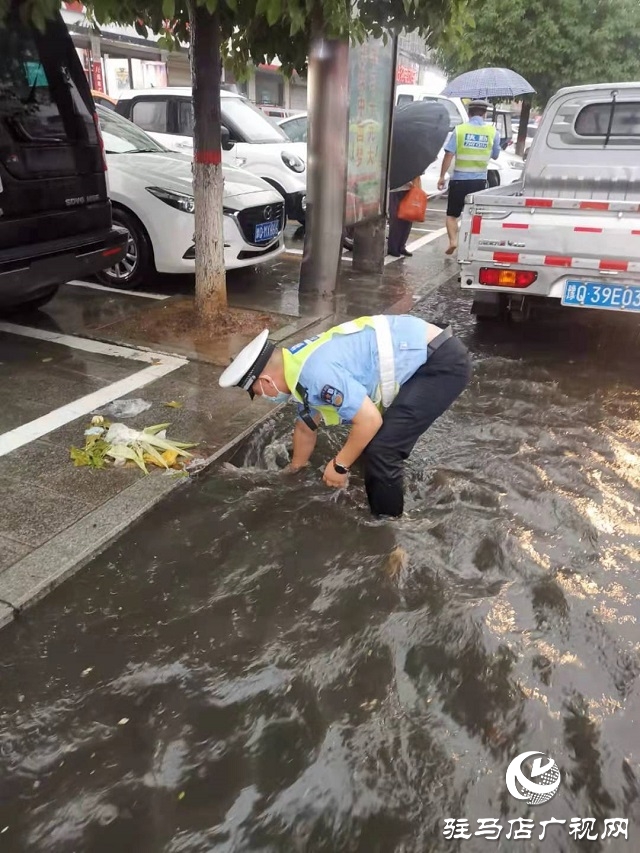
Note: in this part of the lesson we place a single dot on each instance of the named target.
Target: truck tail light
(507, 278)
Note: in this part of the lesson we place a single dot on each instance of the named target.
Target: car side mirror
(225, 139)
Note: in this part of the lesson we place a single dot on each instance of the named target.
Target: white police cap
(248, 364)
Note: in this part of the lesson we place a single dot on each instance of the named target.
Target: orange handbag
(413, 207)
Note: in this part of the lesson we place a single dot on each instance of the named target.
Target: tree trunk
(208, 185)
(525, 112)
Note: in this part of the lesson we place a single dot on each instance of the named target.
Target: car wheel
(137, 263)
(493, 178)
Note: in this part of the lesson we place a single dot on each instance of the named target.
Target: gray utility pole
(328, 95)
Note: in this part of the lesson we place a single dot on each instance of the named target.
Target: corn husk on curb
(119, 444)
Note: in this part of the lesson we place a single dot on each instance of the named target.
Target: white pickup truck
(569, 230)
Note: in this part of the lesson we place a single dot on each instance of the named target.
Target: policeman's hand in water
(402, 366)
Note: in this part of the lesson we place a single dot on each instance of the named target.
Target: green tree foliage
(562, 43)
(259, 30)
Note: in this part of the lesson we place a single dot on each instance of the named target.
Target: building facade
(117, 58)
(416, 64)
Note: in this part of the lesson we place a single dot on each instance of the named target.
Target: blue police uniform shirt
(346, 369)
(451, 145)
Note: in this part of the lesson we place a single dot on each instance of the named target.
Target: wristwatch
(340, 469)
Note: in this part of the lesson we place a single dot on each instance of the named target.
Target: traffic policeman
(389, 377)
(472, 144)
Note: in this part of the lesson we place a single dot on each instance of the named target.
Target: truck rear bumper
(548, 284)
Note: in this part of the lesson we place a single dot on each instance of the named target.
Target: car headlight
(292, 161)
(180, 201)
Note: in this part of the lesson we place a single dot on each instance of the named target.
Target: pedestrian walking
(389, 377)
(472, 144)
(399, 229)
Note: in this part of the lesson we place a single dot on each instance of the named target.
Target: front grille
(245, 256)
(252, 216)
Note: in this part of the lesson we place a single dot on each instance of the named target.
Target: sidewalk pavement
(54, 517)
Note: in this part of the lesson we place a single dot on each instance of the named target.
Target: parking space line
(86, 344)
(29, 432)
(159, 365)
(430, 235)
(94, 286)
(419, 243)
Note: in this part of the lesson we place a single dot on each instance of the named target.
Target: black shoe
(394, 254)
(407, 253)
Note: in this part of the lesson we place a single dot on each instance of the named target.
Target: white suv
(256, 143)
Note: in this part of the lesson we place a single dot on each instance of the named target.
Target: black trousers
(421, 400)
(399, 229)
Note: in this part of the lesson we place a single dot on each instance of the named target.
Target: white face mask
(281, 396)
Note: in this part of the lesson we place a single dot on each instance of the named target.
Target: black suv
(55, 214)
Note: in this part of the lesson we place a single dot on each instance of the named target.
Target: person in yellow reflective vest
(390, 377)
(472, 144)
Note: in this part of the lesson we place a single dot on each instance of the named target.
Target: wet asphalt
(260, 666)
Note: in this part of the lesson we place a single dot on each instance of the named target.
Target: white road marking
(419, 243)
(346, 256)
(85, 344)
(430, 235)
(93, 286)
(161, 365)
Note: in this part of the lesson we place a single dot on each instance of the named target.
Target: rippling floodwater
(261, 666)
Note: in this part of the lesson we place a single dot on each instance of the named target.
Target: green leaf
(79, 457)
(274, 10)
(168, 9)
(174, 404)
(155, 429)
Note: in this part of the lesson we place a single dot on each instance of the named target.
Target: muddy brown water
(257, 667)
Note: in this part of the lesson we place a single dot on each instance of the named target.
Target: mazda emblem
(268, 212)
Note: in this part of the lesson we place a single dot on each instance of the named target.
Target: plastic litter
(117, 444)
(126, 408)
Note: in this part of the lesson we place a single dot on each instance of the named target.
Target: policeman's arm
(304, 442)
(495, 151)
(366, 424)
(446, 162)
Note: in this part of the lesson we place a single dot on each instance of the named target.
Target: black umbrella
(419, 132)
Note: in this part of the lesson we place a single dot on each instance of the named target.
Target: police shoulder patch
(332, 396)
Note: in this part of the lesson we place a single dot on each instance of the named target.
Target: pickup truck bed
(568, 231)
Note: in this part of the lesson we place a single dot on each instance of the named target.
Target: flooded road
(260, 666)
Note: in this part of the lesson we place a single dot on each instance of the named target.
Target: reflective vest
(473, 147)
(294, 360)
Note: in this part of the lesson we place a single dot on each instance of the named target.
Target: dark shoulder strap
(305, 414)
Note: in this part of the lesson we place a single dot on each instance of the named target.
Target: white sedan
(151, 190)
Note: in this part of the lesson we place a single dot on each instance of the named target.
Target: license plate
(266, 231)
(592, 294)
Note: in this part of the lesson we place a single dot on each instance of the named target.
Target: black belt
(444, 335)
